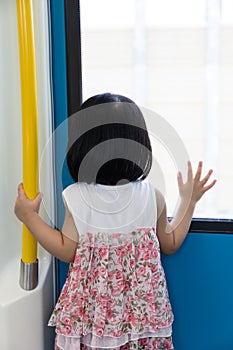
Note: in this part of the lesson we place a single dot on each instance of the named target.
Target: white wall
(10, 132)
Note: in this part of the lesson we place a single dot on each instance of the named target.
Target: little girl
(115, 295)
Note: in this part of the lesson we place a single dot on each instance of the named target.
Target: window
(174, 58)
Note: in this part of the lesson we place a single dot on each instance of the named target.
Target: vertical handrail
(29, 262)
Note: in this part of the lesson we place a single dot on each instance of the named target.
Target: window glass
(174, 58)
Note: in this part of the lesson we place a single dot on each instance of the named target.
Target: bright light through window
(174, 58)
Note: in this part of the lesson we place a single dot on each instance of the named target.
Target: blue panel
(59, 61)
(200, 282)
(60, 113)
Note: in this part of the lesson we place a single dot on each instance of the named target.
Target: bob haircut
(108, 142)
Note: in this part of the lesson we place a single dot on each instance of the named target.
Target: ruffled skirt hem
(146, 343)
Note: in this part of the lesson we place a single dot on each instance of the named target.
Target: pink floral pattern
(115, 286)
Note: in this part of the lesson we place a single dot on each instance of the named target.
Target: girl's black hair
(108, 142)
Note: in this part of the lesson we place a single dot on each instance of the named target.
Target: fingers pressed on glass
(208, 187)
(199, 171)
(190, 171)
(206, 178)
(180, 178)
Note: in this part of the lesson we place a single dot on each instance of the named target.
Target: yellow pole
(29, 117)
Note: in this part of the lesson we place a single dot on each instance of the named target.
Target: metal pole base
(28, 275)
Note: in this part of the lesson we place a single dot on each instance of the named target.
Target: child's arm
(171, 235)
(52, 240)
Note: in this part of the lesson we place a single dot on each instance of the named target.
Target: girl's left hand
(194, 188)
(24, 206)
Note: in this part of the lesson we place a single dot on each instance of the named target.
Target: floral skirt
(140, 344)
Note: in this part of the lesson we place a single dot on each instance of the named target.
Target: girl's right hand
(24, 206)
(194, 188)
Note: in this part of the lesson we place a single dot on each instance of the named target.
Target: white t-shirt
(101, 208)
